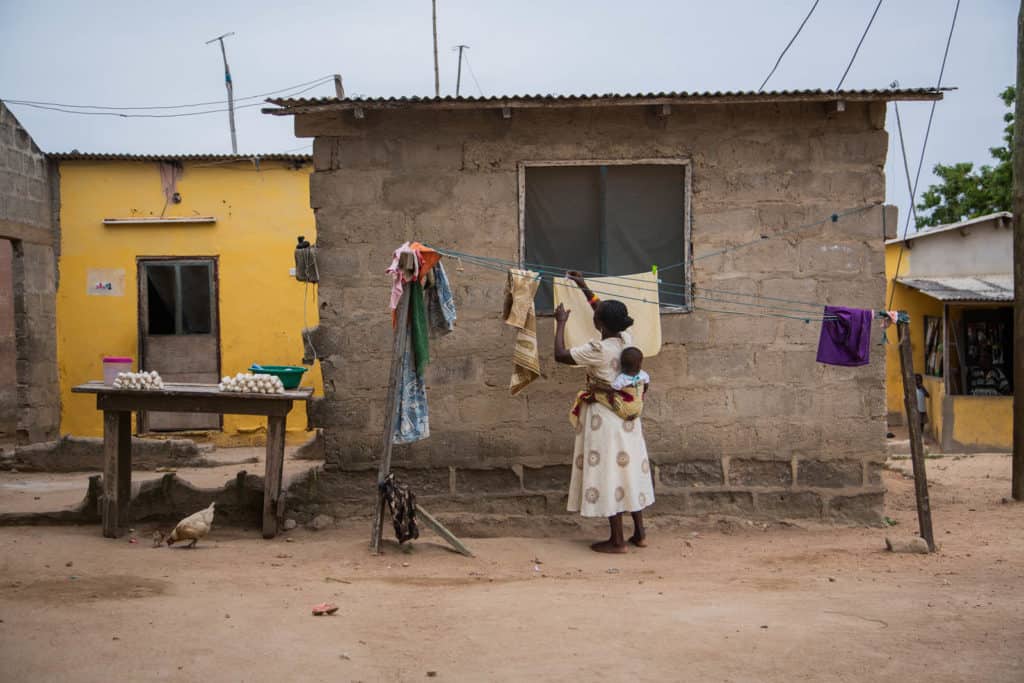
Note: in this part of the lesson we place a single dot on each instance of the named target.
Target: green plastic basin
(290, 375)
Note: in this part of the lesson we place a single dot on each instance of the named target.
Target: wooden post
(1017, 478)
(117, 472)
(273, 500)
(924, 512)
(391, 412)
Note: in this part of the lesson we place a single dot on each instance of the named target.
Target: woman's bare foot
(608, 547)
(639, 540)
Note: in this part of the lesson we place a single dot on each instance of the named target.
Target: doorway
(179, 332)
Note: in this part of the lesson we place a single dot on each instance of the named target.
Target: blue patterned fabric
(413, 419)
(441, 303)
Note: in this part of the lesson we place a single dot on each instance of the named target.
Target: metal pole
(437, 74)
(1017, 478)
(230, 89)
(458, 75)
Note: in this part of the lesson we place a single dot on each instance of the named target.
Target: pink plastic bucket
(113, 365)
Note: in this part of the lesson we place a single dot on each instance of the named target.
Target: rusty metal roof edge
(118, 156)
(287, 106)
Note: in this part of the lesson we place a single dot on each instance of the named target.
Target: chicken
(193, 527)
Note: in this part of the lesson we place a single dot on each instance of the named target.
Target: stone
(914, 544)
(692, 473)
(289, 524)
(321, 522)
(829, 473)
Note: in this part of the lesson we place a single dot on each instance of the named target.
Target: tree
(966, 193)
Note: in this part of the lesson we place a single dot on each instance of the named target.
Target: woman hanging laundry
(611, 473)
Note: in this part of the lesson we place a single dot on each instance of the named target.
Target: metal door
(179, 332)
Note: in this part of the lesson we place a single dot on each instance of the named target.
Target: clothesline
(767, 311)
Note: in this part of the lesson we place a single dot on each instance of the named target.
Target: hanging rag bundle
(402, 505)
(519, 313)
(440, 302)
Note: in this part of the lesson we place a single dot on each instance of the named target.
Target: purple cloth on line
(845, 336)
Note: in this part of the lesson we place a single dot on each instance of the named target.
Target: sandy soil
(712, 601)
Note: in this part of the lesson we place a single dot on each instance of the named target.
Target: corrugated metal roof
(115, 156)
(1001, 218)
(973, 288)
(305, 104)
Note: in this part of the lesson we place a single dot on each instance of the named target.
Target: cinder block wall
(740, 417)
(27, 215)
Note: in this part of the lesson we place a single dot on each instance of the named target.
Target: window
(609, 218)
(989, 351)
(179, 298)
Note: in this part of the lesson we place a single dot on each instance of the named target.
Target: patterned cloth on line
(440, 302)
(610, 469)
(519, 313)
(402, 504)
(413, 421)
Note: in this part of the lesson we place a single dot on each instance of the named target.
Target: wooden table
(117, 406)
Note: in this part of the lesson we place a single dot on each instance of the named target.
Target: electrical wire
(150, 116)
(471, 73)
(317, 81)
(859, 43)
(788, 45)
(924, 145)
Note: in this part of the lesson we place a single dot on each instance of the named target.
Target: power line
(924, 146)
(788, 45)
(123, 115)
(859, 43)
(473, 74)
(313, 83)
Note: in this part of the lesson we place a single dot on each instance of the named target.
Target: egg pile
(245, 382)
(145, 381)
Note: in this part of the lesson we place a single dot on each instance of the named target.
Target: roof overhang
(287, 106)
(976, 288)
(1001, 219)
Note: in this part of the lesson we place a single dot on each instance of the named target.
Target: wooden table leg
(273, 499)
(117, 472)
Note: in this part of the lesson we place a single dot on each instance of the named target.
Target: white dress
(610, 471)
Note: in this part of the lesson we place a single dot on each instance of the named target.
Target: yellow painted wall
(983, 422)
(918, 306)
(259, 213)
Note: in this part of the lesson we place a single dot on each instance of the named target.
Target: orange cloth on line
(519, 313)
(428, 258)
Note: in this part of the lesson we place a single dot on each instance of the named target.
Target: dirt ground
(709, 600)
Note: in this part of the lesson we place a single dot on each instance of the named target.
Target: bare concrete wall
(740, 416)
(8, 355)
(28, 194)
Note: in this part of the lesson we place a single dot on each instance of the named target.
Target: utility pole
(339, 88)
(437, 74)
(1017, 480)
(458, 76)
(230, 88)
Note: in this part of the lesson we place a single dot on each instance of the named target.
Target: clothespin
(458, 267)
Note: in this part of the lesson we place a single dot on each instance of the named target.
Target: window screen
(612, 219)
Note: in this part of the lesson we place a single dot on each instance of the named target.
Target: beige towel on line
(519, 313)
(629, 289)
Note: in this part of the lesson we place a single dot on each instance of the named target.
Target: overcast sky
(137, 53)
